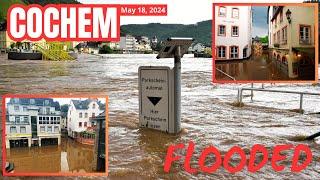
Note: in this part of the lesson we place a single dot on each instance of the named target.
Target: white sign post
(160, 89)
(154, 95)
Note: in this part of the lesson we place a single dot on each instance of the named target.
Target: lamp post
(288, 15)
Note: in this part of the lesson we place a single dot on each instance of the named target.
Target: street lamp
(288, 14)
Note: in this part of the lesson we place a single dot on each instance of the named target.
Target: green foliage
(201, 31)
(4, 6)
(264, 39)
(105, 50)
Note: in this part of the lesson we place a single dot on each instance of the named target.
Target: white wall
(244, 22)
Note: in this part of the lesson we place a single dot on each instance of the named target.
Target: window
(235, 13)
(93, 105)
(80, 115)
(22, 129)
(58, 120)
(51, 120)
(47, 120)
(25, 108)
(234, 52)
(13, 129)
(235, 31)
(25, 119)
(48, 110)
(222, 11)
(284, 35)
(16, 108)
(85, 115)
(281, 16)
(221, 30)
(56, 129)
(85, 124)
(80, 124)
(49, 129)
(42, 129)
(17, 118)
(32, 101)
(221, 51)
(46, 102)
(93, 114)
(40, 120)
(305, 32)
(278, 36)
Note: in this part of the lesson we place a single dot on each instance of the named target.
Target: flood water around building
(208, 114)
(70, 156)
(259, 67)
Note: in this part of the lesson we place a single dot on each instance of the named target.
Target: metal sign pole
(177, 89)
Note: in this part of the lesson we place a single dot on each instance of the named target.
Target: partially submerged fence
(240, 94)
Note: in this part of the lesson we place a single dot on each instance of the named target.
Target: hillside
(201, 31)
(5, 4)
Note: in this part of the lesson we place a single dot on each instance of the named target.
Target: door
(245, 52)
(34, 126)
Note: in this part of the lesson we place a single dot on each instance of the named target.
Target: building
(292, 39)
(154, 42)
(79, 114)
(32, 122)
(128, 43)
(100, 143)
(198, 48)
(233, 27)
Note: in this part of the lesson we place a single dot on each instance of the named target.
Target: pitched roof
(36, 102)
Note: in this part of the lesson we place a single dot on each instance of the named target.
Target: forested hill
(201, 31)
(5, 4)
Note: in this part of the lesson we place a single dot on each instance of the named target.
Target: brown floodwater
(208, 114)
(258, 68)
(70, 156)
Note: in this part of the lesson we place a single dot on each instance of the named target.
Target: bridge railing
(240, 94)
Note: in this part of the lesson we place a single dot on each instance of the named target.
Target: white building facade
(79, 114)
(32, 122)
(233, 32)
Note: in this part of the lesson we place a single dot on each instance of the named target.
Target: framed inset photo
(265, 42)
(49, 135)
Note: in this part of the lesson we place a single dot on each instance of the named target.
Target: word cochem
(64, 22)
(258, 158)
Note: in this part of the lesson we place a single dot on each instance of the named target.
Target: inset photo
(265, 42)
(54, 136)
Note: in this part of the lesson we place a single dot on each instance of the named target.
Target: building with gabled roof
(79, 114)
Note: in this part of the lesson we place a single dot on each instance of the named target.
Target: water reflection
(69, 157)
(258, 67)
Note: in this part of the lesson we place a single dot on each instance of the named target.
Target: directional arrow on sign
(154, 100)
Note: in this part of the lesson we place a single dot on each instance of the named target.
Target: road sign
(154, 97)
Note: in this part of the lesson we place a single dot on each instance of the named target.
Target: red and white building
(233, 32)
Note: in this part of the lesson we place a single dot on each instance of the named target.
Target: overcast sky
(179, 11)
(260, 18)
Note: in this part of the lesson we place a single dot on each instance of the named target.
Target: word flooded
(253, 163)
(64, 22)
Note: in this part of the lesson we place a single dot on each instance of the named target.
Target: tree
(105, 49)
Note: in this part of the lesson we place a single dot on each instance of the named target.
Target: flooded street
(70, 156)
(257, 67)
(208, 114)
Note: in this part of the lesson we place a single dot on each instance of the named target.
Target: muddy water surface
(208, 117)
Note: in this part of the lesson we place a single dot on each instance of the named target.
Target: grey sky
(260, 17)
